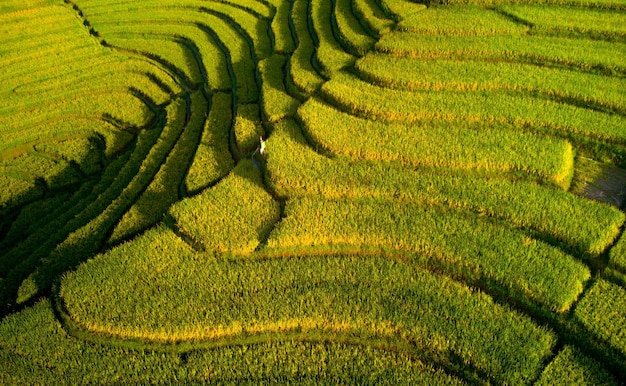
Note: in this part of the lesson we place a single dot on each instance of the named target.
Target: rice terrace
(438, 199)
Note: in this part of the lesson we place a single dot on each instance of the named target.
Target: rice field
(421, 209)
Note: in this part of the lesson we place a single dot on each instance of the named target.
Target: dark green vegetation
(422, 213)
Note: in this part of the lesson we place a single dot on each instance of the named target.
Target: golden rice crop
(301, 70)
(373, 16)
(37, 350)
(359, 97)
(590, 22)
(329, 52)
(589, 89)
(201, 298)
(459, 241)
(212, 159)
(352, 35)
(585, 225)
(618, 254)
(572, 366)
(276, 102)
(601, 311)
(461, 20)
(233, 216)
(585, 54)
(495, 147)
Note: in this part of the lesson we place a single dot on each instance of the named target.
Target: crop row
(212, 159)
(121, 104)
(164, 189)
(457, 242)
(46, 354)
(359, 97)
(460, 20)
(301, 70)
(589, 55)
(329, 53)
(197, 53)
(56, 224)
(38, 71)
(399, 10)
(276, 102)
(233, 216)
(247, 128)
(618, 254)
(51, 21)
(578, 87)
(601, 311)
(604, 4)
(213, 35)
(17, 191)
(372, 16)
(163, 47)
(50, 165)
(495, 147)
(585, 225)
(336, 296)
(281, 26)
(96, 80)
(90, 230)
(593, 23)
(572, 367)
(352, 35)
(247, 24)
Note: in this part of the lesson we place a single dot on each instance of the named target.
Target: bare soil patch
(600, 181)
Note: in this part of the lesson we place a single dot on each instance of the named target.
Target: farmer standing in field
(262, 146)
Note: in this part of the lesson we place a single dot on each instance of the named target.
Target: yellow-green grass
(329, 53)
(200, 27)
(537, 114)
(276, 102)
(75, 230)
(351, 33)
(301, 70)
(87, 231)
(36, 348)
(18, 191)
(176, 45)
(248, 128)
(263, 9)
(233, 216)
(161, 47)
(153, 84)
(83, 152)
(165, 187)
(461, 20)
(577, 87)
(589, 22)
(191, 12)
(372, 16)
(459, 242)
(233, 300)
(283, 40)
(115, 138)
(402, 9)
(89, 104)
(601, 311)
(476, 146)
(618, 254)
(212, 159)
(606, 4)
(585, 225)
(54, 172)
(589, 55)
(572, 367)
